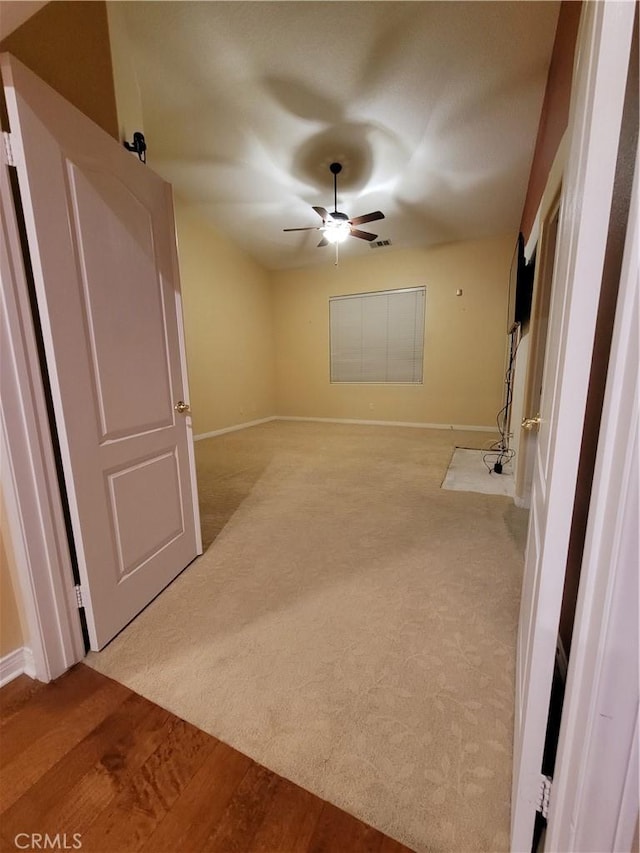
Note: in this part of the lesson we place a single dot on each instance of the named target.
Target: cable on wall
(500, 453)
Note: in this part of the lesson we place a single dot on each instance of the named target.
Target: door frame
(28, 473)
(597, 99)
(543, 277)
(595, 789)
(522, 444)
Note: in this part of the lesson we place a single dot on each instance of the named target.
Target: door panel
(141, 534)
(594, 128)
(102, 245)
(113, 235)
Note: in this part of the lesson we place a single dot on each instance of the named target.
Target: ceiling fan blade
(322, 213)
(323, 242)
(308, 228)
(367, 217)
(363, 235)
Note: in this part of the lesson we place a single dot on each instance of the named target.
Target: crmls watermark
(44, 841)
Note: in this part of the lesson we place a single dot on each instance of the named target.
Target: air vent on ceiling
(378, 244)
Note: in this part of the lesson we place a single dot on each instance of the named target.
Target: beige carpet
(352, 626)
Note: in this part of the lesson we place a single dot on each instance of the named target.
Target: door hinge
(544, 794)
(8, 149)
(78, 590)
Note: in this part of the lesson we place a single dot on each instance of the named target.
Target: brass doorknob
(181, 407)
(531, 423)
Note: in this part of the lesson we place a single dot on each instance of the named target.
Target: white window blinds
(378, 337)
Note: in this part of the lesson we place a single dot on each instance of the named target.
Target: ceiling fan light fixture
(336, 231)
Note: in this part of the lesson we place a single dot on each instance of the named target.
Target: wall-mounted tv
(523, 285)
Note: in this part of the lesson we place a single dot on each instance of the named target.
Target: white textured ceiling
(432, 107)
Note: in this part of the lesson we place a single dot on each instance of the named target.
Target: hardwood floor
(106, 771)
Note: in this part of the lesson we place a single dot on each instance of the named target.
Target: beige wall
(11, 631)
(465, 336)
(228, 327)
(125, 74)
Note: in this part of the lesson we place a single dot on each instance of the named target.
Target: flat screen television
(523, 296)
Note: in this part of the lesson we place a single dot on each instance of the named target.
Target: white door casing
(537, 243)
(595, 797)
(34, 516)
(102, 246)
(594, 127)
(536, 350)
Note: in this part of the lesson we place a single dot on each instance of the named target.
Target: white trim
(18, 662)
(28, 473)
(525, 443)
(411, 424)
(182, 348)
(628, 819)
(554, 181)
(234, 428)
(534, 235)
(29, 663)
(596, 781)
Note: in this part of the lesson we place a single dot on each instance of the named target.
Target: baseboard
(18, 662)
(389, 423)
(358, 421)
(233, 428)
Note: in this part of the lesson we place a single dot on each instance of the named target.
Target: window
(378, 337)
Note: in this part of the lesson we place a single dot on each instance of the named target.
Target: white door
(594, 128)
(596, 796)
(102, 247)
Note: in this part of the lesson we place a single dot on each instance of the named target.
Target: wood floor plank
(51, 738)
(130, 776)
(337, 831)
(390, 845)
(15, 695)
(151, 792)
(92, 793)
(244, 813)
(88, 777)
(289, 822)
(202, 803)
(61, 696)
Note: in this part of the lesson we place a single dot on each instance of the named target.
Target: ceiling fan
(336, 226)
